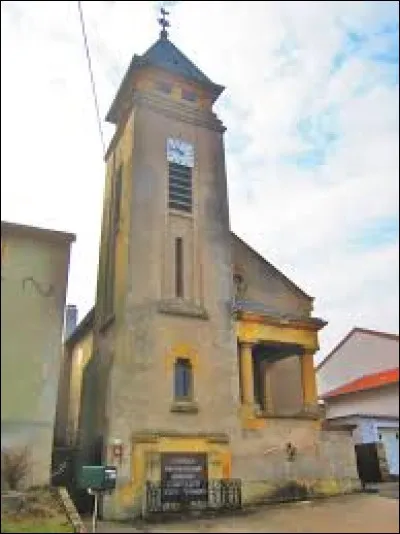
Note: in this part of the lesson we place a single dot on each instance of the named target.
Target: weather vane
(163, 22)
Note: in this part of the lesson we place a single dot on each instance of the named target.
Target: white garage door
(390, 439)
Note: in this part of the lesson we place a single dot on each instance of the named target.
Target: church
(198, 350)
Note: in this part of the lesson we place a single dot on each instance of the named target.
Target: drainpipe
(71, 319)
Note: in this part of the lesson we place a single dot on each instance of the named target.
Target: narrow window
(114, 213)
(179, 267)
(117, 199)
(183, 378)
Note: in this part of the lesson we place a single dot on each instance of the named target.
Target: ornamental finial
(164, 23)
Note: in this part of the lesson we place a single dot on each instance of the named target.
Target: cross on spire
(164, 23)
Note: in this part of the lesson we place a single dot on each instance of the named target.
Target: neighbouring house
(34, 274)
(359, 384)
(77, 350)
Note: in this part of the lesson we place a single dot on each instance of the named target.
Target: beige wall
(286, 386)
(265, 284)
(33, 288)
(61, 418)
(260, 458)
(80, 356)
(360, 355)
(382, 401)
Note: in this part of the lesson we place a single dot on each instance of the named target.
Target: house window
(179, 187)
(179, 267)
(183, 379)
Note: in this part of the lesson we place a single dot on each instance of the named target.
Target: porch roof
(242, 308)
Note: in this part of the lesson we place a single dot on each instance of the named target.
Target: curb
(71, 511)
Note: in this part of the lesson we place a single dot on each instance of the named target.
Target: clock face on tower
(180, 152)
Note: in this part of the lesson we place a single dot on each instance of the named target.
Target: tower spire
(164, 23)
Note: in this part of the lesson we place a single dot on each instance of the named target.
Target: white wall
(382, 401)
(360, 355)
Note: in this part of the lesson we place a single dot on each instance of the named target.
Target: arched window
(183, 379)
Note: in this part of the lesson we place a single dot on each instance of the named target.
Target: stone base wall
(291, 459)
(285, 460)
(263, 491)
(293, 448)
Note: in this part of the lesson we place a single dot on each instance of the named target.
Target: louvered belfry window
(180, 187)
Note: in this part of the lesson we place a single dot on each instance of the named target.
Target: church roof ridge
(163, 54)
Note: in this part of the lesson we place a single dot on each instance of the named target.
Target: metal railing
(214, 494)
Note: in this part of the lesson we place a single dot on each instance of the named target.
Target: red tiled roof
(375, 380)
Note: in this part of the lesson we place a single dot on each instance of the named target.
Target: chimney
(71, 318)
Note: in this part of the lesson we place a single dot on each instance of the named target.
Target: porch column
(246, 363)
(308, 381)
(269, 405)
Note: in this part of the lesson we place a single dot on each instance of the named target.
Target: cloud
(311, 106)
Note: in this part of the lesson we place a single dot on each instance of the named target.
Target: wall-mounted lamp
(117, 450)
(291, 452)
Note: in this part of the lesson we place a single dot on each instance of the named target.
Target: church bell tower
(165, 341)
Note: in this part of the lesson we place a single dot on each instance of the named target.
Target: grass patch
(36, 510)
(13, 524)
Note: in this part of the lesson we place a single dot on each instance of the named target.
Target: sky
(311, 107)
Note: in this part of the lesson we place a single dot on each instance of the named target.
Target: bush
(291, 491)
(15, 467)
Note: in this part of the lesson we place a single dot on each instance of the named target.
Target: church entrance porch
(281, 445)
(276, 368)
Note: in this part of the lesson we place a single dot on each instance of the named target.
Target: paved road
(386, 489)
(350, 513)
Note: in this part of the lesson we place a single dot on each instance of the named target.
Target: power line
(96, 103)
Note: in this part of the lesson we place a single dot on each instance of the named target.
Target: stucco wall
(324, 461)
(286, 386)
(264, 284)
(361, 354)
(380, 401)
(80, 355)
(34, 278)
(61, 417)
